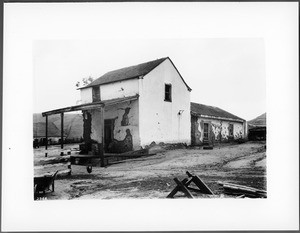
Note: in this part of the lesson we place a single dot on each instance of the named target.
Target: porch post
(62, 130)
(102, 137)
(46, 145)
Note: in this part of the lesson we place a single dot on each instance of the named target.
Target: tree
(84, 82)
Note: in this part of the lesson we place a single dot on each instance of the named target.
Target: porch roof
(88, 106)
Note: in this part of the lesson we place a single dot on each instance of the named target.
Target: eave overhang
(89, 106)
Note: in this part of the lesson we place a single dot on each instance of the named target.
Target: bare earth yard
(152, 177)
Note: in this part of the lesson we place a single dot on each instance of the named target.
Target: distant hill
(73, 125)
(39, 130)
(259, 121)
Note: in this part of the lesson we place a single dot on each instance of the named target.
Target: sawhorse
(183, 186)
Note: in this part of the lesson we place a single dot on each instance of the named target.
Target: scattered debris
(242, 191)
(183, 186)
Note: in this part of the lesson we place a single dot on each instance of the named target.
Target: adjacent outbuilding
(210, 124)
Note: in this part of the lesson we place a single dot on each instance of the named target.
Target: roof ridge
(128, 72)
(126, 67)
(212, 111)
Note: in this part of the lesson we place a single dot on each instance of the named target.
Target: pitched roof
(211, 111)
(259, 121)
(130, 73)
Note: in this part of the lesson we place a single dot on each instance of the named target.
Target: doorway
(108, 133)
(205, 132)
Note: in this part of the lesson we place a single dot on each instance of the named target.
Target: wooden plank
(183, 188)
(185, 182)
(62, 131)
(46, 145)
(200, 184)
(101, 147)
(176, 189)
(235, 190)
(74, 108)
(242, 187)
(50, 163)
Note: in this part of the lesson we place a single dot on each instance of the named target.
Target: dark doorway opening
(205, 132)
(108, 133)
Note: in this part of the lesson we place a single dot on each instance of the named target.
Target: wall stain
(122, 146)
(195, 133)
(125, 119)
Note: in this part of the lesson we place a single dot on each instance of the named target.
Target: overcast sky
(227, 73)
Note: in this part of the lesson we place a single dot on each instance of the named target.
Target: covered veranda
(100, 106)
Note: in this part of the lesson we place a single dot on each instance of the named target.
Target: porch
(95, 143)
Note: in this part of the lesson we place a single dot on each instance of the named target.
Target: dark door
(108, 133)
(205, 132)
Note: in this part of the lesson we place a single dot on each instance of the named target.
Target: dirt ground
(152, 177)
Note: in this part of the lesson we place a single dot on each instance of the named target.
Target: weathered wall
(159, 120)
(119, 89)
(126, 121)
(86, 95)
(112, 91)
(218, 130)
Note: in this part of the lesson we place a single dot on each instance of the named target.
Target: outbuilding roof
(213, 112)
(130, 72)
(258, 121)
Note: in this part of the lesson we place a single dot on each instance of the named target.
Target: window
(96, 93)
(230, 129)
(168, 92)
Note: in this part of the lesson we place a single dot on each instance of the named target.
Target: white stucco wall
(119, 89)
(159, 120)
(116, 112)
(112, 90)
(96, 129)
(86, 95)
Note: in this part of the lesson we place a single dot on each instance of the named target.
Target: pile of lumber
(242, 191)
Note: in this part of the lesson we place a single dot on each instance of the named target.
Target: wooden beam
(176, 189)
(101, 149)
(186, 182)
(183, 188)
(46, 145)
(62, 131)
(74, 108)
(88, 106)
(200, 184)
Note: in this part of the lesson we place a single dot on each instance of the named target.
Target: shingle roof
(212, 111)
(259, 121)
(130, 73)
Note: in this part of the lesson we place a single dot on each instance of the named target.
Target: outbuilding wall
(218, 130)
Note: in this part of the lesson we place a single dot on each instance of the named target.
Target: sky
(228, 73)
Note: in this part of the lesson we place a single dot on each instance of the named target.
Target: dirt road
(152, 177)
